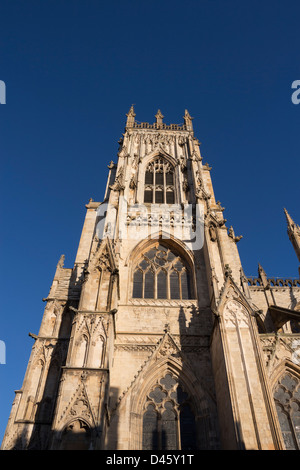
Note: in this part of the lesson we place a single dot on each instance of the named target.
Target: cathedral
(155, 339)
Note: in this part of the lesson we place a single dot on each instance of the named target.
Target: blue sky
(73, 68)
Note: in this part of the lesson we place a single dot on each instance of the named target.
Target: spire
(130, 117)
(188, 120)
(293, 231)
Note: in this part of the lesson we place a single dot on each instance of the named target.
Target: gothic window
(159, 182)
(161, 274)
(287, 400)
(168, 421)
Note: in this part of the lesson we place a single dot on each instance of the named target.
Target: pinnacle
(261, 270)
(290, 222)
(187, 114)
(159, 114)
(131, 111)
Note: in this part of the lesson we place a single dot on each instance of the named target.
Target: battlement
(273, 282)
(156, 126)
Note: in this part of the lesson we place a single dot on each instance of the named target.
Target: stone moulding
(162, 303)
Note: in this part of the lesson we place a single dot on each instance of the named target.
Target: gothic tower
(156, 339)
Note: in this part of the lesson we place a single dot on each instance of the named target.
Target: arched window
(159, 182)
(168, 421)
(287, 400)
(162, 274)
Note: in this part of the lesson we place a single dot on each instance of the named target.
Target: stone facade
(155, 339)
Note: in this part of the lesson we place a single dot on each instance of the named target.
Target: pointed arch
(167, 391)
(96, 351)
(162, 269)
(76, 435)
(46, 405)
(159, 181)
(82, 345)
(158, 152)
(286, 393)
(165, 183)
(166, 239)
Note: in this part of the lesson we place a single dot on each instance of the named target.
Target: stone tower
(155, 339)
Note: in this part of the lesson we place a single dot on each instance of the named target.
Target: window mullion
(180, 288)
(178, 430)
(159, 432)
(143, 286)
(168, 285)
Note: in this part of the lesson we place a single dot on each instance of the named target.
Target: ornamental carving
(278, 349)
(78, 407)
(235, 315)
(119, 181)
(168, 349)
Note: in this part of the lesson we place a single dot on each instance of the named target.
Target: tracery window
(159, 182)
(168, 421)
(162, 274)
(287, 400)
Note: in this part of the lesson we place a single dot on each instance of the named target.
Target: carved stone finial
(130, 117)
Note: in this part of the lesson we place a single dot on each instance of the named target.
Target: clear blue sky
(73, 68)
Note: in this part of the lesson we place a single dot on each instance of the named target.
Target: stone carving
(185, 185)
(235, 315)
(168, 349)
(182, 164)
(277, 348)
(181, 141)
(119, 181)
(231, 234)
(132, 183)
(212, 232)
(79, 406)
